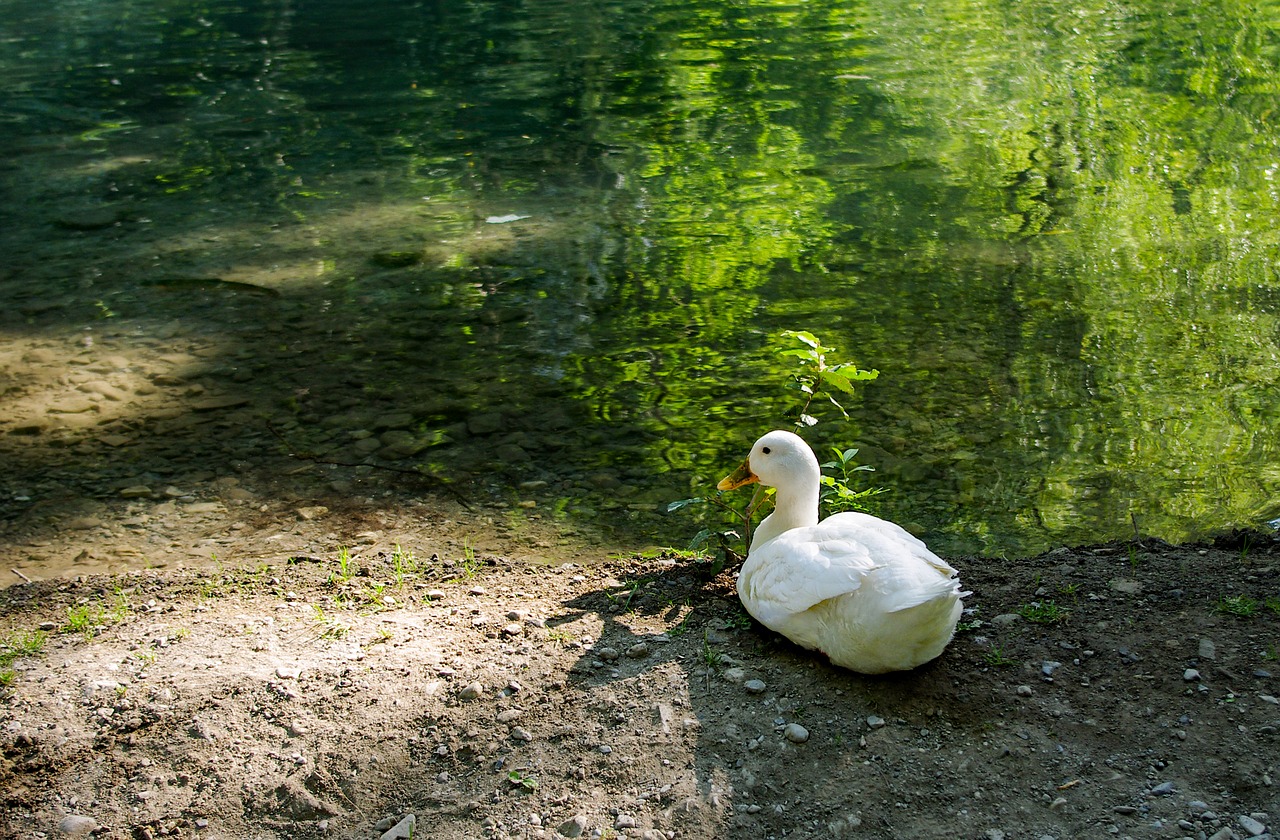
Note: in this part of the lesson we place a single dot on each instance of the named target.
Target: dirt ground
(1122, 690)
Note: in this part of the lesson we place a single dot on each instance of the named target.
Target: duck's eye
(765, 450)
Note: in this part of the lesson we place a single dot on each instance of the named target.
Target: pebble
(471, 691)
(624, 821)
(638, 650)
(796, 733)
(521, 734)
(77, 825)
(1005, 619)
(608, 654)
(754, 686)
(875, 721)
(510, 715)
(1208, 650)
(1191, 675)
(1251, 825)
(1163, 789)
(1023, 690)
(402, 830)
(573, 827)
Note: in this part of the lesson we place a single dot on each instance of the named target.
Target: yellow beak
(739, 477)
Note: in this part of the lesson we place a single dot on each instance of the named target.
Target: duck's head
(779, 459)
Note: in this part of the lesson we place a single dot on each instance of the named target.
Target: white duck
(862, 590)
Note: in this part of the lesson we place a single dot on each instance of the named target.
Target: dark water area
(554, 246)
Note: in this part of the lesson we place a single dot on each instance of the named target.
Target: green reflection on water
(1053, 229)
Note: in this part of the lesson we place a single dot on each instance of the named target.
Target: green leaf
(803, 335)
(836, 379)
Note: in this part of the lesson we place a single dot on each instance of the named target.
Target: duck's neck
(793, 507)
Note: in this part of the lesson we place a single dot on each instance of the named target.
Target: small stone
(734, 675)
(1128, 586)
(875, 721)
(402, 830)
(288, 672)
(1191, 675)
(105, 389)
(624, 821)
(1005, 619)
(1047, 668)
(89, 218)
(435, 594)
(521, 734)
(638, 650)
(471, 691)
(1124, 810)
(1163, 789)
(307, 514)
(605, 749)
(754, 686)
(77, 825)
(608, 654)
(1251, 825)
(73, 405)
(1208, 650)
(510, 715)
(573, 827)
(512, 630)
(1023, 690)
(795, 733)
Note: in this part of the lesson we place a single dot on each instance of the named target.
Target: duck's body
(862, 590)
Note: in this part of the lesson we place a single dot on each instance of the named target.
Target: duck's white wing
(843, 553)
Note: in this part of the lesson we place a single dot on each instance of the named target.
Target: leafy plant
(19, 644)
(1272, 603)
(470, 563)
(404, 564)
(710, 655)
(1241, 605)
(84, 619)
(1042, 612)
(970, 623)
(526, 783)
(836, 495)
(814, 376)
(346, 567)
(996, 658)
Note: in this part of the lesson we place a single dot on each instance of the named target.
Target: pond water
(562, 240)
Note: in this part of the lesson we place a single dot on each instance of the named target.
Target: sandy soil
(1108, 691)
